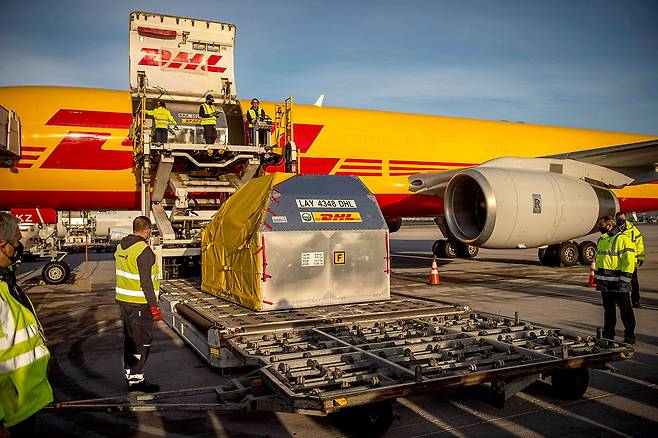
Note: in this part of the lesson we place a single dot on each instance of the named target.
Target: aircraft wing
(642, 154)
(634, 163)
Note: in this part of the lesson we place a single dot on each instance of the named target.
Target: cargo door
(10, 137)
(181, 56)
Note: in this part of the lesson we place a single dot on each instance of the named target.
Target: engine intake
(502, 208)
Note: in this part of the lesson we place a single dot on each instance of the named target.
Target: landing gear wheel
(371, 420)
(56, 272)
(570, 384)
(450, 248)
(587, 252)
(467, 251)
(568, 254)
(437, 248)
(549, 256)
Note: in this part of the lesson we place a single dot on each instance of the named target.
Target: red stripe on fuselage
(69, 200)
(317, 166)
(638, 204)
(83, 150)
(91, 119)
(373, 167)
(410, 205)
(433, 163)
(362, 160)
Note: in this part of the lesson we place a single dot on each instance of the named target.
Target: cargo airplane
(497, 184)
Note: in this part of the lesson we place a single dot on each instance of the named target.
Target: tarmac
(81, 321)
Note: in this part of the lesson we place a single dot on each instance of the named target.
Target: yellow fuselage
(77, 156)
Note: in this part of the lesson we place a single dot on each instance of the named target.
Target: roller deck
(318, 360)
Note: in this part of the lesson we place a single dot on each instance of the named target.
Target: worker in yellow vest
(208, 114)
(137, 292)
(24, 387)
(631, 231)
(162, 118)
(256, 113)
(615, 263)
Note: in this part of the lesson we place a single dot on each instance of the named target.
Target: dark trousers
(635, 288)
(137, 333)
(209, 134)
(612, 300)
(161, 135)
(262, 136)
(24, 429)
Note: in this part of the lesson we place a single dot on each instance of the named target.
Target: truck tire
(587, 252)
(570, 384)
(56, 272)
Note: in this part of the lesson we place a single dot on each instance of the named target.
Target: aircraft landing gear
(452, 248)
(56, 272)
(567, 254)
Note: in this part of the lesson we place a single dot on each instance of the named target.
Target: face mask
(621, 223)
(603, 230)
(18, 252)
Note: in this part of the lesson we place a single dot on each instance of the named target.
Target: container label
(279, 219)
(326, 203)
(339, 257)
(312, 259)
(323, 216)
(306, 216)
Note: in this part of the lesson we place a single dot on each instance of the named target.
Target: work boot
(637, 305)
(629, 341)
(143, 386)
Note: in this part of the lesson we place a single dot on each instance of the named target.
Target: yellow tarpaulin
(230, 256)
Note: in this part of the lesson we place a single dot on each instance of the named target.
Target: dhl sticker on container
(339, 216)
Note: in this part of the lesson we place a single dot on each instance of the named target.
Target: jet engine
(495, 207)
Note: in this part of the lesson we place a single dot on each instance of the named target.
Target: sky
(589, 64)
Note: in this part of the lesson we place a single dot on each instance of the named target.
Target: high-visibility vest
(253, 115)
(24, 387)
(162, 117)
(210, 118)
(636, 237)
(615, 262)
(128, 288)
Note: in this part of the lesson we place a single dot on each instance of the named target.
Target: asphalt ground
(82, 324)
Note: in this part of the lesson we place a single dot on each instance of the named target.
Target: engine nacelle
(501, 208)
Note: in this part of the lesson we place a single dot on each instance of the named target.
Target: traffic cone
(591, 282)
(434, 273)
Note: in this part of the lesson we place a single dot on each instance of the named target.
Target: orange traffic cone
(591, 282)
(434, 273)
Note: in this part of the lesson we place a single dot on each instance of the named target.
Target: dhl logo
(185, 60)
(83, 149)
(321, 216)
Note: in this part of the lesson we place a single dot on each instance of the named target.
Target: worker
(615, 263)
(162, 118)
(632, 231)
(137, 289)
(208, 115)
(24, 387)
(256, 113)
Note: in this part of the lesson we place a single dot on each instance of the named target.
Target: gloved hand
(176, 128)
(640, 262)
(156, 315)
